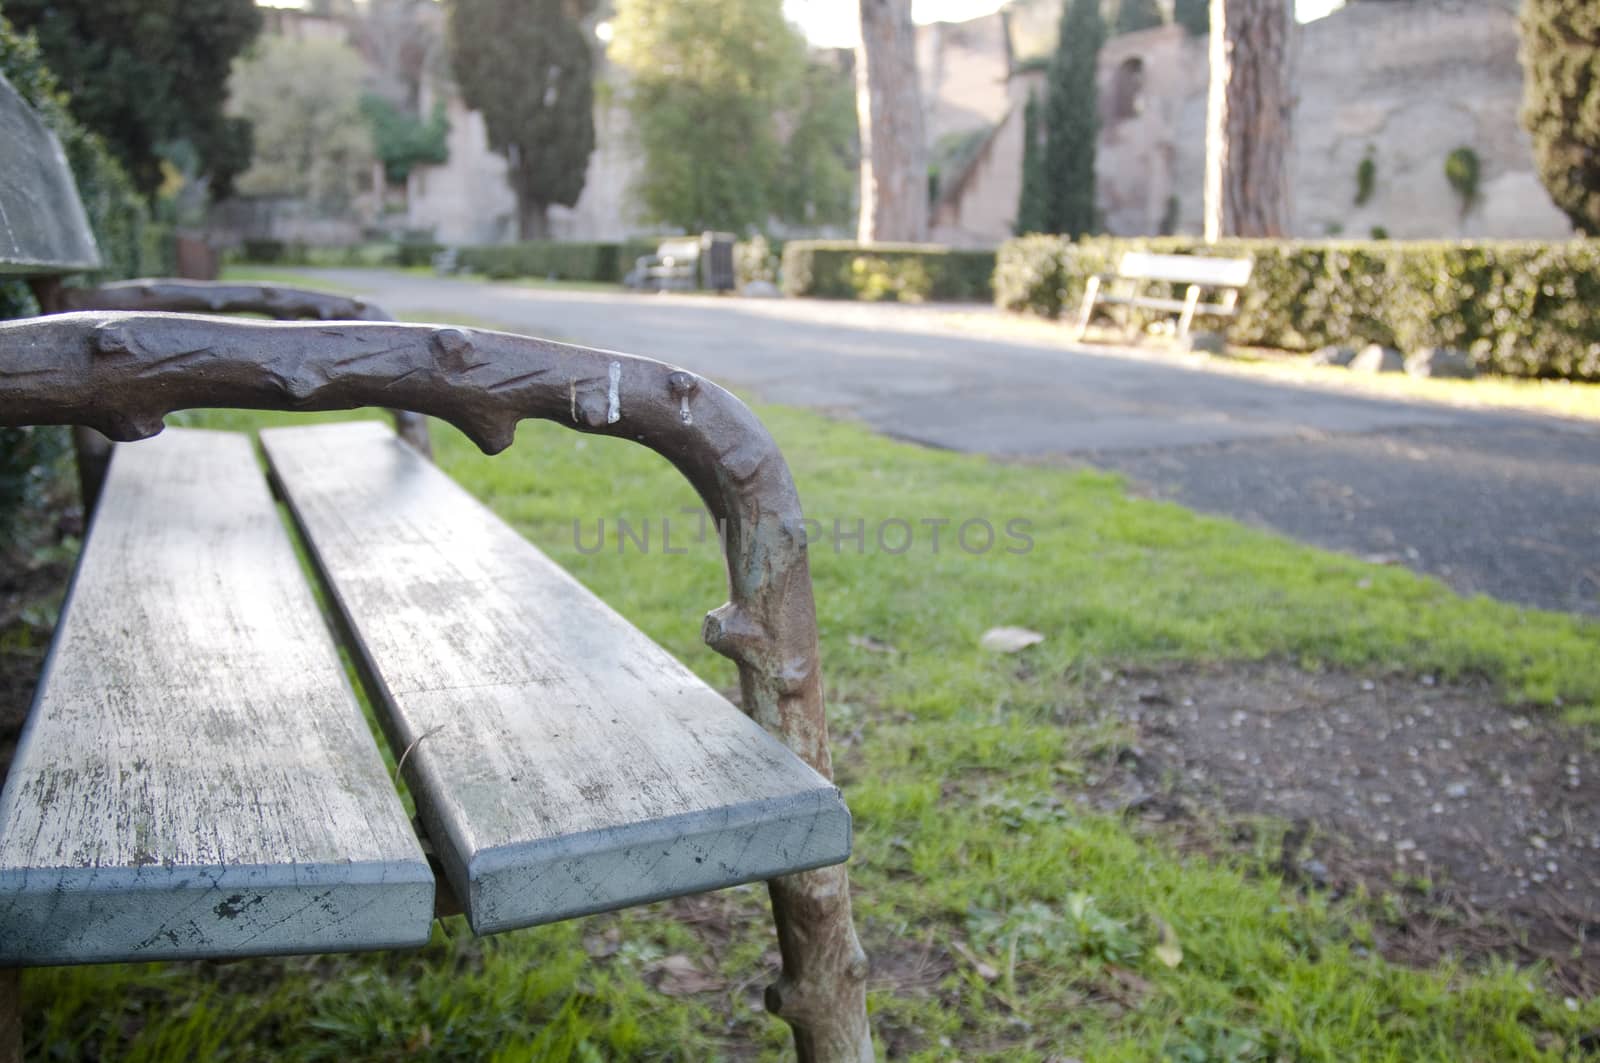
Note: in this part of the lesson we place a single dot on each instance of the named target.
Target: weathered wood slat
(196, 778)
(561, 761)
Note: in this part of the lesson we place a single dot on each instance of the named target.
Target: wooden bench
(196, 778)
(1198, 273)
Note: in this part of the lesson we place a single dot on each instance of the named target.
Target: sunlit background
(832, 23)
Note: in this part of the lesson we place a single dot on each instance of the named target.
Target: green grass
(1008, 921)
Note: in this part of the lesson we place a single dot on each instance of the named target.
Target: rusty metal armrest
(278, 301)
(121, 373)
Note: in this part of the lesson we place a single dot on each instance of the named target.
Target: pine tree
(1134, 15)
(1249, 119)
(1030, 207)
(1072, 122)
(1561, 102)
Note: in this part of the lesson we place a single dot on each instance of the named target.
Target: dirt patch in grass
(1474, 825)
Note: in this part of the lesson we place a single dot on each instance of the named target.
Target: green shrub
(1366, 179)
(1520, 308)
(603, 262)
(264, 252)
(911, 273)
(416, 252)
(755, 259)
(1461, 169)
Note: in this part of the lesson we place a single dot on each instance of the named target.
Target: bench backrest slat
(685, 249)
(43, 228)
(1186, 269)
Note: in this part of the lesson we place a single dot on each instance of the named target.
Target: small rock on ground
(1377, 359)
(1444, 362)
(1334, 355)
(1009, 639)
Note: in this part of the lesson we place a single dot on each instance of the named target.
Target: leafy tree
(404, 141)
(1031, 206)
(816, 185)
(1193, 15)
(1561, 102)
(1072, 122)
(146, 73)
(526, 65)
(304, 100)
(708, 82)
(1134, 15)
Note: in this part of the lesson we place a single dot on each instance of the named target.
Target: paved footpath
(1500, 503)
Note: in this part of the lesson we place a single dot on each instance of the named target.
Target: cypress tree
(1072, 122)
(1133, 15)
(1561, 102)
(1031, 206)
(526, 65)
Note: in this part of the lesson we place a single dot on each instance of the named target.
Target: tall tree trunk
(1249, 113)
(533, 220)
(894, 154)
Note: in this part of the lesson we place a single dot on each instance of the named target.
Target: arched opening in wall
(1127, 90)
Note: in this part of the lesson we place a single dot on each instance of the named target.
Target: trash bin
(716, 261)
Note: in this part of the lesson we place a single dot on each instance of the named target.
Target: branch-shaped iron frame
(279, 301)
(122, 373)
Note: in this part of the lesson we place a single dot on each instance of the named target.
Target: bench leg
(413, 428)
(93, 453)
(822, 993)
(1091, 291)
(10, 1016)
(1191, 299)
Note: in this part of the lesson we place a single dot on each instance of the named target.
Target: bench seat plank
(196, 778)
(562, 763)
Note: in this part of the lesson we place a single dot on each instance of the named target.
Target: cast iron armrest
(121, 373)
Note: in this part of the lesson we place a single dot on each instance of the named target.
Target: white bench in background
(1225, 276)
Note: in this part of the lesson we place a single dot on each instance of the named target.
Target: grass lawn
(1007, 921)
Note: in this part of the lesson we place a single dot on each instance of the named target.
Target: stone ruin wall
(1406, 82)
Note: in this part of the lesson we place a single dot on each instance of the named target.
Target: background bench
(687, 263)
(196, 778)
(1196, 273)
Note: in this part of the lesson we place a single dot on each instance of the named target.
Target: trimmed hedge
(1521, 308)
(908, 273)
(605, 263)
(271, 252)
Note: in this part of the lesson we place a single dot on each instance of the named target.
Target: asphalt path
(1500, 503)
